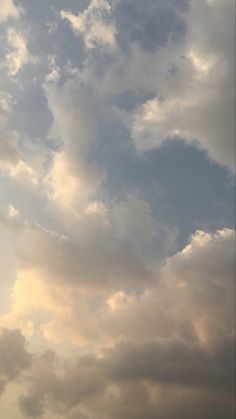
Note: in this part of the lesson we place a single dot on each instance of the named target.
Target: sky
(117, 166)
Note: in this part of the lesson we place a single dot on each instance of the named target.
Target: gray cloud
(195, 101)
(139, 316)
(184, 80)
(116, 263)
(9, 153)
(13, 356)
(186, 354)
(175, 362)
(151, 25)
(128, 371)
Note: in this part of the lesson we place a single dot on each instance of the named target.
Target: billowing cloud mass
(117, 291)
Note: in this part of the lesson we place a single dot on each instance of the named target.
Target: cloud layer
(117, 215)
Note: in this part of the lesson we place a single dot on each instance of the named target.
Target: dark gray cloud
(175, 362)
(14, 357)
(110, 385)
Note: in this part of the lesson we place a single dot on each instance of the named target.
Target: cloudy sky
(117, 209)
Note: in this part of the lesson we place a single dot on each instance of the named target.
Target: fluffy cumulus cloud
(117, 216)
(194, 101)
(174, 339)
(94, 25)
(166, 303)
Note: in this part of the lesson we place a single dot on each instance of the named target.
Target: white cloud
(9, 10)
(157, 328)
(96, 208)
(174, 341)
(22, 172)
(94, 25)
(19, 54)
(68, 189)
(197, 102)
(71, 182)
(190, 295)
(202, 65)
(190, 84)
(54, 70)
(12, 211)
(11, 161)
